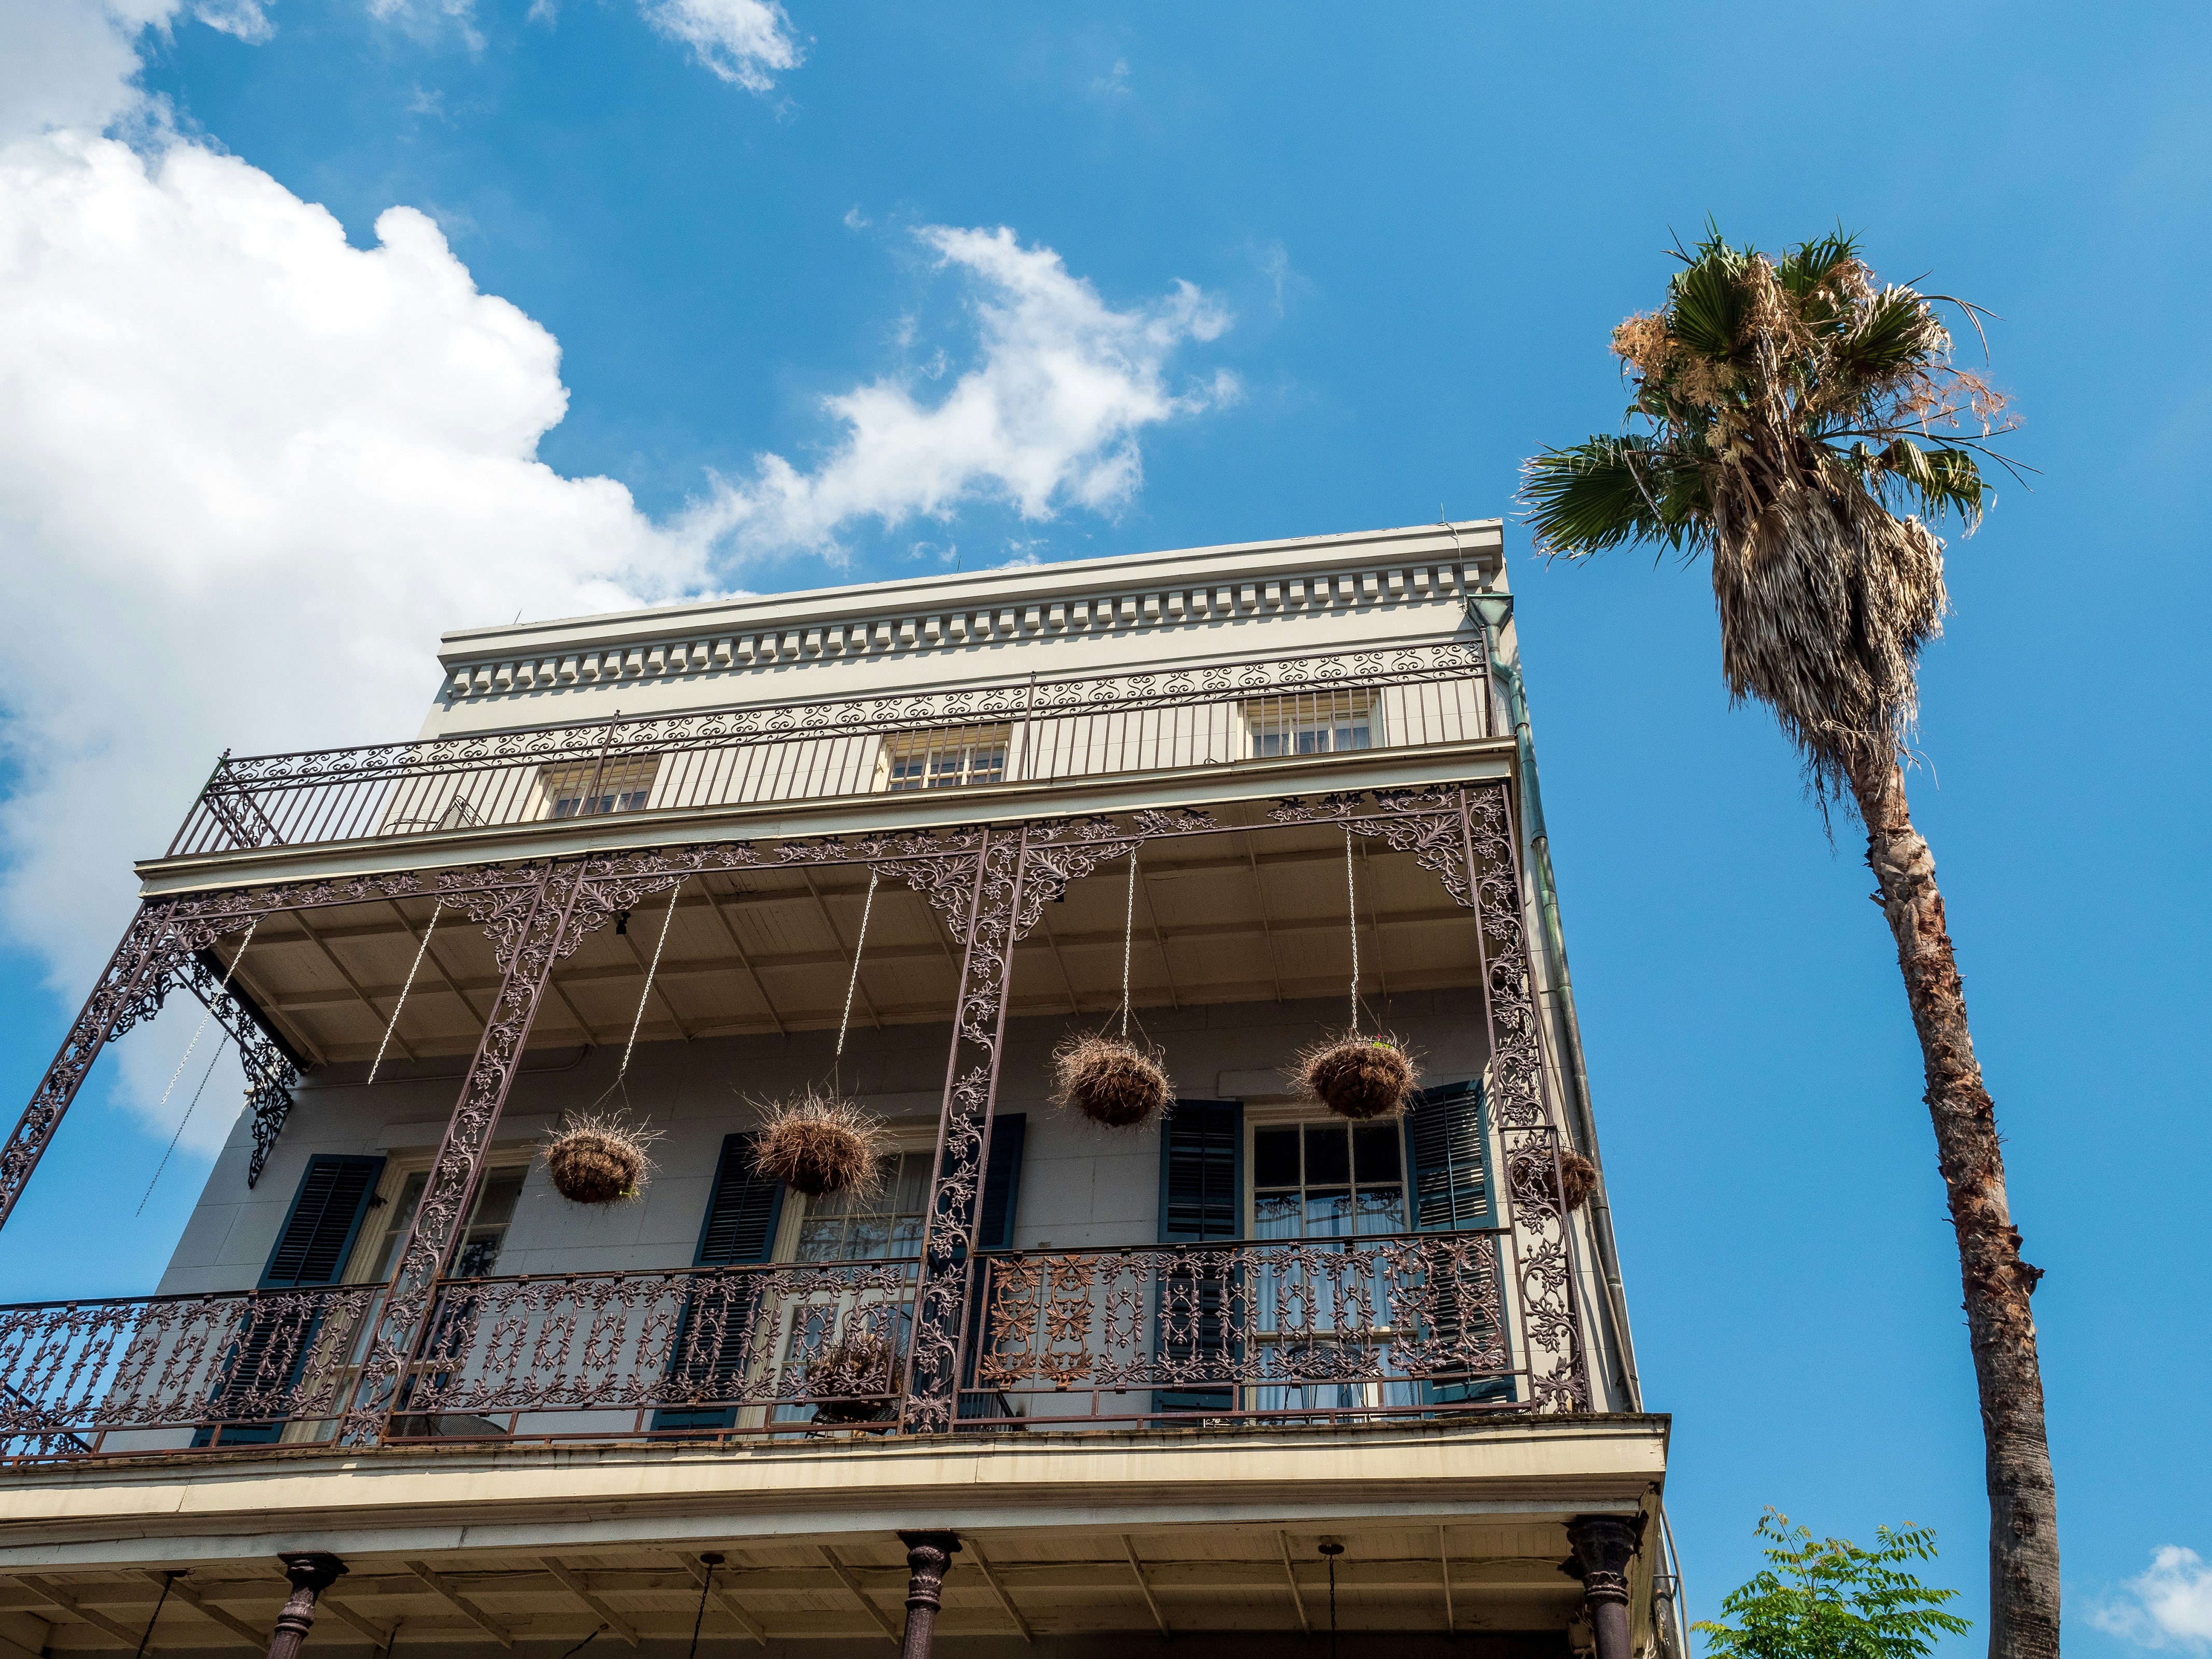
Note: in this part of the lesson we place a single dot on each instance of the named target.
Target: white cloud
(1115, 82)
(243, 18)
(1049, 418)
(746, 42)
(2169, 1606)
(249, 471)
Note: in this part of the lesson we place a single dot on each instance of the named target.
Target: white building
(691, 861)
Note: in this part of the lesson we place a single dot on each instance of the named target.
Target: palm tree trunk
(2023, 1502)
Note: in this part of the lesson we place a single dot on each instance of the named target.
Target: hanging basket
(1109, 1080)
(849, 1380)
(1578, 1180)
(599, 1160)
(1359, 1077)
(819, 1144)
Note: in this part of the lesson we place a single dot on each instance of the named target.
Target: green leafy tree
(1829, 1599)
(1784, 426)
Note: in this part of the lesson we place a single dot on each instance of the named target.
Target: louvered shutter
(714, 1336)
(1201, 1159)
(1002, 1180)
(1447, 1146)
(274, 1339)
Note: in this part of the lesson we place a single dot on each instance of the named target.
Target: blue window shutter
(325, 1217)
(1446, 1149)
(270, 1346)
(1002, 1182)
(738, 1230)
(1201, 1199)
(742, 1211)
(1202, 1157)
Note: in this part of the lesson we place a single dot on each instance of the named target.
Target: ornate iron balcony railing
(1254, 1330)
(1268, 711)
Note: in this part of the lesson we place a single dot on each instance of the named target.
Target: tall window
(489, 1217)
(948, 758)
(1318, 723)
(885, 1227)
(591, 787)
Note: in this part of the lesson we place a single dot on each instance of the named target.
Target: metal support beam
(70, 1605)
(1151, 1601)
(1443, 1559)
(461, 1604)
(746, 1622)
(206, 1608)
(1297, 1595)
(846, 1578)
(928, 1559)
(998, 1590)
(312, 1572)
(1603, 1546)
(576, 1587)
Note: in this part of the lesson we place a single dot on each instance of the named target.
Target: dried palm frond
(819, 1143)
(595, 1159)
(1357, 1077)
(1108, 1080)
(1791, 404)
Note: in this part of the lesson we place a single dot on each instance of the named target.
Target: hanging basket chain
(654, 968)
(853, 984)
(393, 1024)
(206, 1016)
(1128, 934)
(1351, 910)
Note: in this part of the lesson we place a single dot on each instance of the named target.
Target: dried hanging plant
(819, 1144)
(1578, 1179)
(1109, 1080)
(597, 1159)
(849, 1378)
(1357, 1077)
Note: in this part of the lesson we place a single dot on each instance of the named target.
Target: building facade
(1246, 1371)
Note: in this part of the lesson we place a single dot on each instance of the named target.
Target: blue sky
(1403, 247)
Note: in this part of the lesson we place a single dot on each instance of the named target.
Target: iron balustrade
(1264, 711)
(135, 1374)
(1315, 1328)
(1260, 1330)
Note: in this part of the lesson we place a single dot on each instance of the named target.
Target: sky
(331, 323)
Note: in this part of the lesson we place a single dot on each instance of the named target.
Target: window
(1321, 723)
(885, 1227)
(1331, 1180)
(477, 1256)
(588, 788)
(948, 758)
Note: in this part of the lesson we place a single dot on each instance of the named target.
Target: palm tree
(1784, 422)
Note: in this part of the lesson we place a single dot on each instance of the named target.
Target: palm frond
(1707, 306)
(1807, 266)
(1606, 492)
(1897, 329)
(1939, 480)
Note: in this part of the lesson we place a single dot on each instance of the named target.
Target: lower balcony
(1308, 1330)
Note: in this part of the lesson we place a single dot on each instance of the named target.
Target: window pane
(1328, 1155)
(1329, 1215)
(1374, 1152)
(1275, 1157)
(1381, 1210)
(1275, 1215)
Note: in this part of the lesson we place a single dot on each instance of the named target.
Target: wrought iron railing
(1318, 1329)
(1265, 711)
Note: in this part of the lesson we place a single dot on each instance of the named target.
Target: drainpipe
(1491, 612)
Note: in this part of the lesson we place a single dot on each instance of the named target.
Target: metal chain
(650, 972)
(859, 944)
(1128, 933)
(1351, 910)
(393, 1023)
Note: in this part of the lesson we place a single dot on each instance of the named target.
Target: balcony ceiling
(1252, 914)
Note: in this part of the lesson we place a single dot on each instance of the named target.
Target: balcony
(1262, 714)
(1417, 1326)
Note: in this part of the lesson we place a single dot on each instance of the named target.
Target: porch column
(1603, 1546)
(531, 930)
(312, 1572)
(928, 1559)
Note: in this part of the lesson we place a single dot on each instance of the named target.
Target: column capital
(928, 1559)
(312, 1571)
(1603, 1546)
